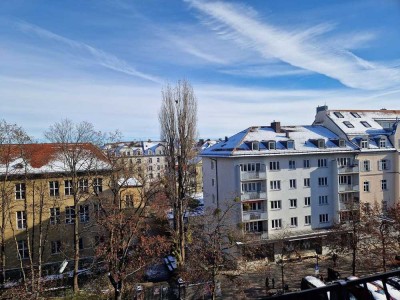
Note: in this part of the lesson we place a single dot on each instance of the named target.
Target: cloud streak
(300, 49)
(95, 55)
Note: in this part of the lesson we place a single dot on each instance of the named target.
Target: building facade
(298, 181)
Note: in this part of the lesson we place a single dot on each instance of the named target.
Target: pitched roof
(41, 156)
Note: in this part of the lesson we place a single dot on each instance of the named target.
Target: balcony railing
(348, 169)
(349, 188)
(262, 234)
(254, 216)
(349, 205)
(252, 175)
(253, 195)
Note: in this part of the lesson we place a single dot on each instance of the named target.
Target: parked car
(311, 282)
(377, 292)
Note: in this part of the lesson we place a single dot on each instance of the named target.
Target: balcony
(348, 169)
(254, 216)
(263, 235)
(253, 195)
(349, 188)
(253, 175)
(349, 205)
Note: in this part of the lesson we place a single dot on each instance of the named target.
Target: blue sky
(250, 62)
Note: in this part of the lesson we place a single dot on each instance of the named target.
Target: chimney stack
(276, 126)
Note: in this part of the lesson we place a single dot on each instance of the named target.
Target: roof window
(338, 114)
(365, 124)
(255, 146)
(348, 124)
(321, 143)
(355, 115)
(342, 143)
(364, 143)
(290, 144)
(271, 145)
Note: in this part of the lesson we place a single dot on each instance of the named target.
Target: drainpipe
(216, 179)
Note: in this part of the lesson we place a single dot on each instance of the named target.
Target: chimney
(226, 138)
(322, 108)
(276, 126)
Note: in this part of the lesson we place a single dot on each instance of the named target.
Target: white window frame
(322, 163)
(69, 215)
(307, 201)
(322, 181)
(292, 203)
(293, 222)
(275, 185)
(306, 163)
(307, 220)
(20, 191)
(98, 185)
(276, 204)
(292, 183)
(366, 165)
(366, 186)
(84, 213)
(292, 165)
(23, 250)
(384, 184)
(83, 185)
(307, 182)
(276, 223)
(68, 187)
(54, 189)
(55, 215)
(323, 200)
(21, 219)
(274, 166)
(324, 218)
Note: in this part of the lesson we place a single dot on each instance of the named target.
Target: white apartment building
(289, 178)
(149, 156)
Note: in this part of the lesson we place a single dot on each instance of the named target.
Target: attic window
(290, 144)
(365, 124)
(254, 146)
(150, 152)
(321, 143)
(342, 143)
(382, 143)
(271, 145)
(355, 115)
(18, 166)
(338, 114)
(348, 124)
(364, 143)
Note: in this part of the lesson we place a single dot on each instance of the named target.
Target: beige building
(38, 206)
(377, 137)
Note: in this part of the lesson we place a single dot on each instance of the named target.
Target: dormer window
(382, 143)
(321, 143)
(271, 145)
(342, 143)
(255, 146)
(355, 115)
(364, 143)
(290, 144)
(338, 114)
(348, 124)
(365, 124)
(150, 152)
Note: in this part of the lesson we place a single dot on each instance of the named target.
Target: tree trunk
(76, 248)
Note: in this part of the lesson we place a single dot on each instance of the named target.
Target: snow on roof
(305, 139)
(128, 182)
(365, 122)
(48, 158)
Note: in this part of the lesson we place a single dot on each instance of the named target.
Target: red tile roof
(39, 155)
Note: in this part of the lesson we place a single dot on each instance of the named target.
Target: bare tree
(78, 160)
(129, 242)
(10, 135)
(178, 122)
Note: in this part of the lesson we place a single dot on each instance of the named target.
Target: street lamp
(181, 283)
(282, 265)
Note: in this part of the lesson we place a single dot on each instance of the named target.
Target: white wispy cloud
(301, 49)
(266, 71)
(85, 51)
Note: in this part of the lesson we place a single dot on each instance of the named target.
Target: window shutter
(379, 165)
